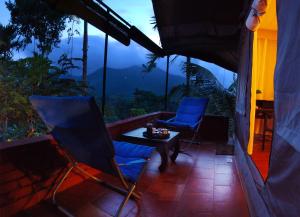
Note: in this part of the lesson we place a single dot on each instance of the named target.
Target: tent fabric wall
(252, 183)
(279, 196)
(283, 184)
(242, 115)
(208, 30)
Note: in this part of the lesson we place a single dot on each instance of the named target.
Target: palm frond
(151, 64)
(153, 22)
(174, 58)
(192, 68)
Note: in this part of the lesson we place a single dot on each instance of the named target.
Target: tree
(35, 19)
(188, 68)
(30, 76)
(147, 100)
(8, 41)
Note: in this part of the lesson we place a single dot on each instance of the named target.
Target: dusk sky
(137, 13)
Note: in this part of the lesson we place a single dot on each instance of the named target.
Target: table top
(138, 134)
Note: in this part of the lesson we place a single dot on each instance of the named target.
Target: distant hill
(120, 56)
(123, 82)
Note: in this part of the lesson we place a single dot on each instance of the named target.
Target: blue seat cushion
(129, 150)
(130, 167)
(182, 124)
(177, 124)
(188, 115)
(131, 158)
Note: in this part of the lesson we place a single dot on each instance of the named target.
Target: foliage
(137, 111)
(206, 84)
(147, 100)
(143, 102)
(188, 68)
(36, 19)
(221, 100)
(233, 86)
(151, 64)
(153, 22)
(30, 76)
(152, 59)
(192, 68)
(7, 41)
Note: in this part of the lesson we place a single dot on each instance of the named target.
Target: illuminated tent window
(262, 89)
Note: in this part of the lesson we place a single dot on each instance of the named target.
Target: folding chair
(77, 125)
(188, 116)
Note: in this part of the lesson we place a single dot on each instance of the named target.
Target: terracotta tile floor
(204, 185)
(261, 157)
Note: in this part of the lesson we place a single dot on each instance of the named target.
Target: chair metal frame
(128, 191)
(195, 131)
(91, 111)
(188, 141)
(192, 141)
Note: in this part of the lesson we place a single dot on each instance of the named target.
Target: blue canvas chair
(188, 116)
(77, 125)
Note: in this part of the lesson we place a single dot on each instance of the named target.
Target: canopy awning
(105, 19)
(208, 30)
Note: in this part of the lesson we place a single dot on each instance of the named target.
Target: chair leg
(128, 192)
(60, 183)
(190, 142)
(125, 200)
(264, 132)
(136, 195)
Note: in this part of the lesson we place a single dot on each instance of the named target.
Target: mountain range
(123, 82)
(122, 57)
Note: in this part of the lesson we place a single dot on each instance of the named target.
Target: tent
(266, 59)
(208, 30)
(215, 31)
(269, 63)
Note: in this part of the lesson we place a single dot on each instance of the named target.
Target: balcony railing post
(167, 83)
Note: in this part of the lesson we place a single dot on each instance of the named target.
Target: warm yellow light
(263, 64)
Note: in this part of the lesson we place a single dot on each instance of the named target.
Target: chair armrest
(171, 119)
(195, 125)
(165, 122)
(133, 162)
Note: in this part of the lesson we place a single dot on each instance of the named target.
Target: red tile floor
(204, 185)
(261, 157)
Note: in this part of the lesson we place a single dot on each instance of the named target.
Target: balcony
(204, 184)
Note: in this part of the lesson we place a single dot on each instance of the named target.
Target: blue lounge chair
(188, 116)
(77, 125)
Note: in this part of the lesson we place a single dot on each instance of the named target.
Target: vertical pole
(188, 75)
(167, 84)
(84, 54)
(104, 72)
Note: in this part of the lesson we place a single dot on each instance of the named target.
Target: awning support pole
(104, 73)
(167, 83)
